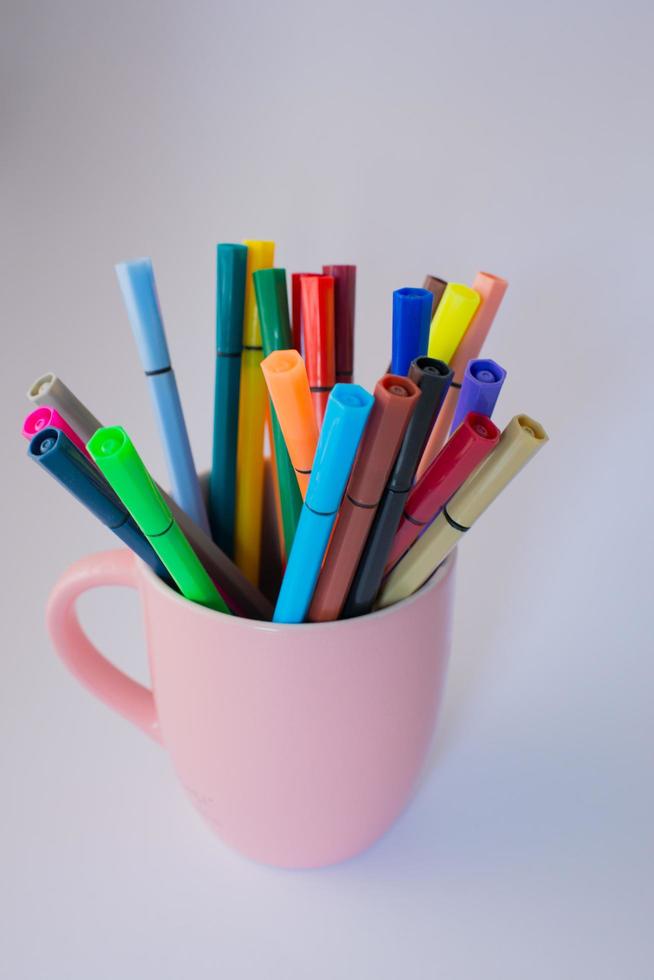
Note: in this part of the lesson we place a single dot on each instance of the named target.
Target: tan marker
(519, 442)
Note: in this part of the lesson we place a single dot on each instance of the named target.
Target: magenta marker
(45, 417)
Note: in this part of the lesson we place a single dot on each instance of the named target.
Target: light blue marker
(139, 291)
(345, 419)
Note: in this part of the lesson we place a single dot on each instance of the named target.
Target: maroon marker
(345, 280)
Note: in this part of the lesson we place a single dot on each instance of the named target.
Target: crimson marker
(461, 454)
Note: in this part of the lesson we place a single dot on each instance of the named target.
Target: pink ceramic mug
(299, 744)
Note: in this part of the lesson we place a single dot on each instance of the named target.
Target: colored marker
(251, 420)
(243, 597)
(347, 412)
(433, 378)
(46, 417)
(55, 452)
(411, 319)
(288, 386)
(472, 441)
(272, 303)
(296, 308)
(519, 442)
(136, 280)
(318, 327)
(345, 281)
(395, 400)
(482, 383)
(231, 263)
(436, 287)
(491, 289)
(453, 315)
(118, 460)
(51, 390)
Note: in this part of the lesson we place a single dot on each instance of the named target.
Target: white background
(408, 138)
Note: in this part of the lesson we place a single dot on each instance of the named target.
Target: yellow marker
(451, 320)
(252, 413)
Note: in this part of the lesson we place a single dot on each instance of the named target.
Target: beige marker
(521, 440)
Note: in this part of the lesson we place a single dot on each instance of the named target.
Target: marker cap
(136, 280)
(395, 399)
(411, 319)
(433, 377)
(520, 440)
(261, 255)
(347, 412)
(51, 390)
(296, 306)
(451, 320)
(318, 326)
(345, 279)
(288, 386)
(231, 265)
(436, 287)
(116, 457)
(482, 383)
(272, 303)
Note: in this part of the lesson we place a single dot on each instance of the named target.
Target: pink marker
(45, 417)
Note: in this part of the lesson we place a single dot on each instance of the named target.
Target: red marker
(345, 280)
(461, 454)
(296, 307)
(45, 417)
(318, 327)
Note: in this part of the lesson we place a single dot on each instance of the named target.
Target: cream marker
(520, 441)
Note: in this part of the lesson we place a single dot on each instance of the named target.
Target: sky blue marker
(139, 291)
(480, 389)
(411, 322)
(345, 419)
(55, 452)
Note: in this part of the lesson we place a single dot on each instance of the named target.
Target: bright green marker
(118, 460)
(272, 303)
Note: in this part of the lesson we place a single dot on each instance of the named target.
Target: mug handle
(126, 696)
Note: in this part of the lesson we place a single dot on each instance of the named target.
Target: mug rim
(268, 625)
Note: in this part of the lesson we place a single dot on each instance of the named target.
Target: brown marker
(436, 287)
(395, 401)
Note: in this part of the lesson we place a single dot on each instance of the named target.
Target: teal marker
(231, 263)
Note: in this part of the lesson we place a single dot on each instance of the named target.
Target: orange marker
(288, 387)
(319, 338)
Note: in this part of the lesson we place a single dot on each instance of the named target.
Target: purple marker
(480, 389)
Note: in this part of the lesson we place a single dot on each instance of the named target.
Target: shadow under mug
(299, 744)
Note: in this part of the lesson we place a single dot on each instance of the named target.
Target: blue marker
(137, 284)
(345, 418)
(480, 389)
(54, 451)
(411, 321)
